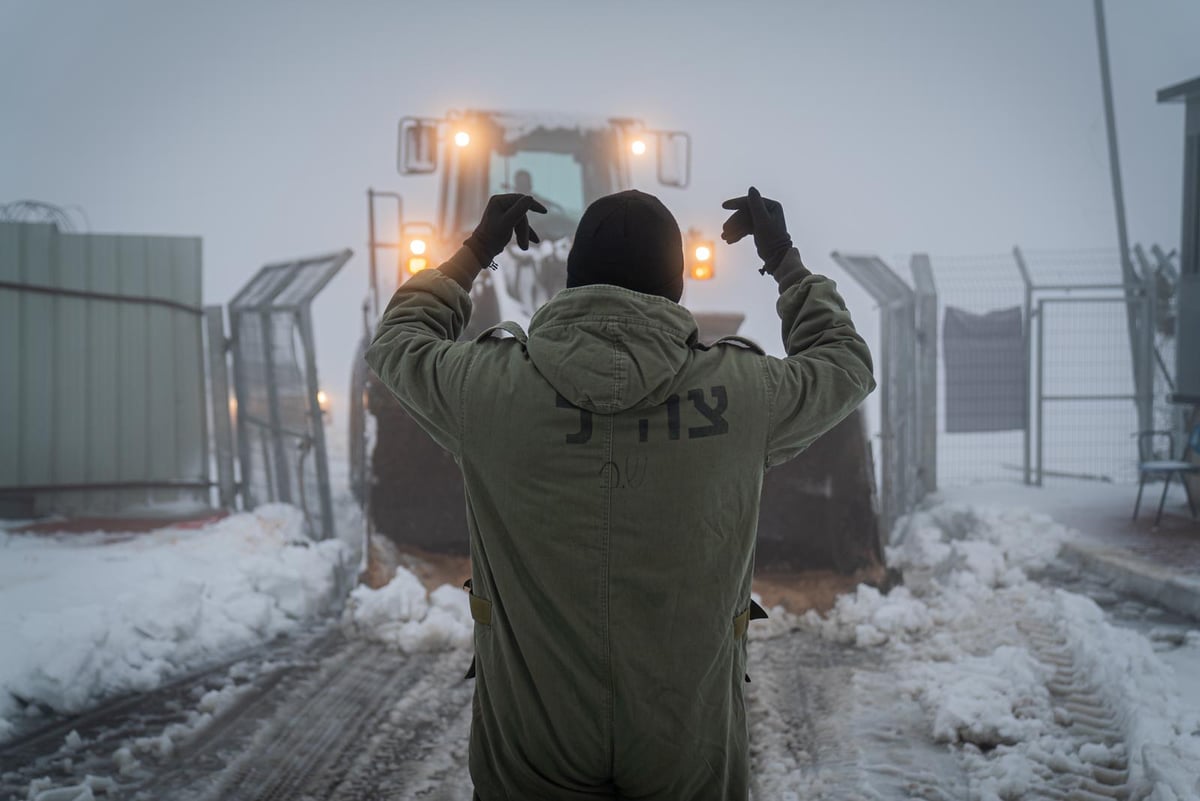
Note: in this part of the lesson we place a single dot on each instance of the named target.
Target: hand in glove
(503, 217)
(763, 218)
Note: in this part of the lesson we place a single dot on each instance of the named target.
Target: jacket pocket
(481, 610)
(481, 613)
(742, 622)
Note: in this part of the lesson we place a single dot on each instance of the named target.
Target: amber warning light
(418, 259)
(700, 255)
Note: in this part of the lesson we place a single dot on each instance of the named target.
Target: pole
(1027, 327)
(1041, 408)
(373, 289)
(1127, 273)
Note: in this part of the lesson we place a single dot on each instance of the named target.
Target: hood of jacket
(608, 349)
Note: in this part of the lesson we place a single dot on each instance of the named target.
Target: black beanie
(631, 240)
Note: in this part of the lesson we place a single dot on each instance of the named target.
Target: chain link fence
(1018, 366)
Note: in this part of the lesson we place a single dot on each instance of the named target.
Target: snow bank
(958, 639)
(89, 616)
(403, 615)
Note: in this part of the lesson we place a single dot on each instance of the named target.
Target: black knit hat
(631, 240)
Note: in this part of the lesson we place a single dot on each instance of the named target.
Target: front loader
(818, 511)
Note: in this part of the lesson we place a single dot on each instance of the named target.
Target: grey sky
(888, 126)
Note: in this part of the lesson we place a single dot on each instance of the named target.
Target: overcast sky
(888, 126)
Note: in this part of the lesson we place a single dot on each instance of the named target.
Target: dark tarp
(986, 370)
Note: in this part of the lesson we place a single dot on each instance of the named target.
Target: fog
(952, 128)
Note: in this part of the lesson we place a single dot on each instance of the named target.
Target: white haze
(948, 127)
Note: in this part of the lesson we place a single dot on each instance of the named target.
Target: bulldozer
(819, 524)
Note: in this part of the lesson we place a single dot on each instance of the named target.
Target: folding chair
(1168, 467)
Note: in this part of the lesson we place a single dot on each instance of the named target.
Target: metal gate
(1086, 409)
(281, 438)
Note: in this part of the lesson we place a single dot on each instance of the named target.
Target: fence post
(218, 371)
(1027, 324)
(1041, 345)
(897, 378)
(318, 426)
(927, 371)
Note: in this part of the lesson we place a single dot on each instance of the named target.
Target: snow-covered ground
(969, 655)
(87, 616)
(982, 649)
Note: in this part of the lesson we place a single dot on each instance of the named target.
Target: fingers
(737, 226)
(515, 218)
(520, 207)
(758, 209)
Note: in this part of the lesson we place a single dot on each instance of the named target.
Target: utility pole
(1145, 394)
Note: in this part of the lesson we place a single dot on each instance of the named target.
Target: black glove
(503, 217)
(762, 217)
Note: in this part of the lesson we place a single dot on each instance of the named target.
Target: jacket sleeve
(416, 355)
(827, 372)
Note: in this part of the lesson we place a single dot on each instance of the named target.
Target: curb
(1150, 581)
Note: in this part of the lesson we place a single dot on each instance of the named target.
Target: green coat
(613, 467)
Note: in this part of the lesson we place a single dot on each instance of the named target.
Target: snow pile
(969, 546)
(84, 617)
(403, 615)
(957, 638)
(1000, 698)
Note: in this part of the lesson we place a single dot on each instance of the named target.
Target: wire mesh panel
(281, 439)
(1049, 331)
(1086, 413)
(979, 363)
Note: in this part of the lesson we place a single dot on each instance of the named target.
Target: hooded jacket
(613, 467)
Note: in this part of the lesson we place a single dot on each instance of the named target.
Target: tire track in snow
(826, 723)
(305, 750)
(1088, 720)
(419, 750)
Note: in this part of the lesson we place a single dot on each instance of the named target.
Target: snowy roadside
(1029, 686)
(87, 617)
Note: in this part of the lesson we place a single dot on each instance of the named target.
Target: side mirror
(674, 158)
(417, 151)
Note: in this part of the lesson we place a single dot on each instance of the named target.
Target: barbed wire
(40, 212)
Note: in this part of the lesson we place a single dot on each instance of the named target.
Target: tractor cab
(566, 163)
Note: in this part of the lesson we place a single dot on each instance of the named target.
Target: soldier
(613, 467)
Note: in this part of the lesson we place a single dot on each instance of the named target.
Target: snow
(87, 790)
(85, 617)
(403, 615)
(956, 638)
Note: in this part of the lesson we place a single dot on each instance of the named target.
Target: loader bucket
(819, 511)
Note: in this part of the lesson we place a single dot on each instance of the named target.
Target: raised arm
(827, 372)
(415, 352)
